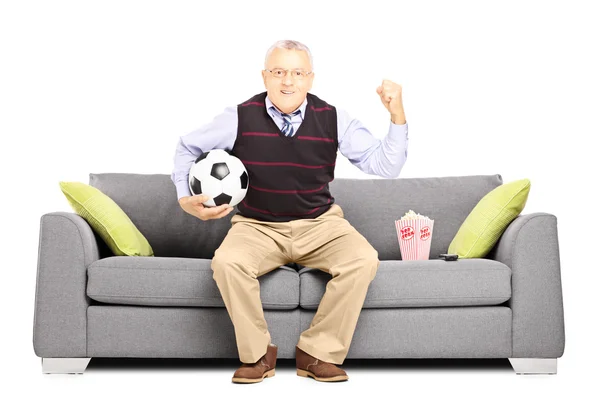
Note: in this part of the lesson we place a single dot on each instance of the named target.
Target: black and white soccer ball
(220, 176)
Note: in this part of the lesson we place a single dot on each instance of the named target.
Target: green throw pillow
(107, 219)
(489, 218)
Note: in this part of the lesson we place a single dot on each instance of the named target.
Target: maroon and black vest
(288, 176)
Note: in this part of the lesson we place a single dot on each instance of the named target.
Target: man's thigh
(330, 242)
(256, 248)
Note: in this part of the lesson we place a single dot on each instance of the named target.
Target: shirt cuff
(183, 189)
(398, 133)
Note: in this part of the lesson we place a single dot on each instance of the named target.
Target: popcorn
(412, 215)
(414, 236)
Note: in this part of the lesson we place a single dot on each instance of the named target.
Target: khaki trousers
(253, 248)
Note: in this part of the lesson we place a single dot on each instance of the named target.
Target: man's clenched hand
(391, 97)
(193, 205)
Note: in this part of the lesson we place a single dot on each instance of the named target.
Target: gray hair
(289, 45)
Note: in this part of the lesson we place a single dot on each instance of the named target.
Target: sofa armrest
(529, 246)
(67, 245)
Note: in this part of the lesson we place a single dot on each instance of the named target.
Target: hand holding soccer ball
(218, 181)
(193, 205)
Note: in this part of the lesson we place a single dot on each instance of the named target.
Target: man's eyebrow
(288, 68)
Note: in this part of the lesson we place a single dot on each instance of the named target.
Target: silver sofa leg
(533, 365)
(64, 365)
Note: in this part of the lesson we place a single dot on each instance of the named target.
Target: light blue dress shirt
(384, 157)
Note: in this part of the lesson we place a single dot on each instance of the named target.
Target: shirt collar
(302, 108)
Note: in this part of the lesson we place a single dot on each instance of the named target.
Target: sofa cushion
(370, 205)
(151, 203)
(107, 219)
(422, 283)
(373, 205)
(488, 220)
(159, 281)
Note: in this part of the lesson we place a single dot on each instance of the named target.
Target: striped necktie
(288, 128)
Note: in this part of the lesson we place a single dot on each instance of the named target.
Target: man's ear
(264, 76)
(312, 77)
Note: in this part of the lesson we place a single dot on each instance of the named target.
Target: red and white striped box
(414, 237)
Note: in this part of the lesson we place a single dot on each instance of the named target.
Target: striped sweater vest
(288, 176)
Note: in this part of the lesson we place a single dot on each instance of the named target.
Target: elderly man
(288, 140)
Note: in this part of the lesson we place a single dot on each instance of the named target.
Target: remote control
(449, 257)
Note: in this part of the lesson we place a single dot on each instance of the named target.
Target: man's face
(288, 59)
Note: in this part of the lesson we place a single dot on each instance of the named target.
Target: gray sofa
(90, 303)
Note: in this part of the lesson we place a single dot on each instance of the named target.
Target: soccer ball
(220, 176)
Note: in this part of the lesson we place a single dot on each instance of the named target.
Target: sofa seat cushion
(170, 281)
(422, 283)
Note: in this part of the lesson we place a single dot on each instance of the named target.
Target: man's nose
(287, 79)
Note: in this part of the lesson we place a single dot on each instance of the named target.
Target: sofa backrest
(370, 205)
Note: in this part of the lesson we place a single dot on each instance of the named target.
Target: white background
(506, 88)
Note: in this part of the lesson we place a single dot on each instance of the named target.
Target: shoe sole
(267, 374)
(307, 374)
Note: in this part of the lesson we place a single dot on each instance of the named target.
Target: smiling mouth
(286, 93)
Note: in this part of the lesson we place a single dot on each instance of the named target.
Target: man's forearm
(398, 117)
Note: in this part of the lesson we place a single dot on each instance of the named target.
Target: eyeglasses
(297, 74)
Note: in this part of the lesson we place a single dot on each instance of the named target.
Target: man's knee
(226, 262)
(222, 261)
(374, 269)
(367, 259)
(218, 263)
(372, 263)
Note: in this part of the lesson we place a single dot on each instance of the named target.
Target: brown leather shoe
(256, 372)
(308, 366)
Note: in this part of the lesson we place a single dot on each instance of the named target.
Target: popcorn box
(414, 236)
